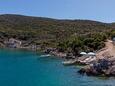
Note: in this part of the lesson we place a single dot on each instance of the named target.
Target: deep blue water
(25, 68)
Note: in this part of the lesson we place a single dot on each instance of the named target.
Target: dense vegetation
(66, 35)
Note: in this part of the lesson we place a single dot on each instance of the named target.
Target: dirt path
(109, 50)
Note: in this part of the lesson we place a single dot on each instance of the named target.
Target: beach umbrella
(91, 53)
(83, 53)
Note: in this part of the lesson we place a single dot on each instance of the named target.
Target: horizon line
(56, 18)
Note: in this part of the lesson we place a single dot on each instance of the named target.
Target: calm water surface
(25, 68)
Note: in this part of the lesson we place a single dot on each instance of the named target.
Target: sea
(28, 68)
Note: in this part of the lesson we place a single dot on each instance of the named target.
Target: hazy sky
(101, 10)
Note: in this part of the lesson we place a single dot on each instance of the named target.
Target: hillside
(46, 27)
(52, 32)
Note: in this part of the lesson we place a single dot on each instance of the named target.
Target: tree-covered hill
(55, 32)
(39, 27)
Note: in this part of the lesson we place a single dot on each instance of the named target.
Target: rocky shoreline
(104, 64)
(101, 64)
(103, 67)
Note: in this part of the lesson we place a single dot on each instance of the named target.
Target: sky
(98, 10)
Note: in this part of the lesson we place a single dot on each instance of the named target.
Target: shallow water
(25, 68)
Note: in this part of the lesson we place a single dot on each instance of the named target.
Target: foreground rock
(105, 67)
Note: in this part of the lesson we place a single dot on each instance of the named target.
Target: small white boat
(69, 62)
(45, 55)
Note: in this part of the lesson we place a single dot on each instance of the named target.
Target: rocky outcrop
(2, 45)
(110, 71)
(105, 67)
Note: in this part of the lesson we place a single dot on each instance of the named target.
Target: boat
(69, 62)
(47, 55)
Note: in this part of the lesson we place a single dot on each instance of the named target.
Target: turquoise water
(25, 68)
